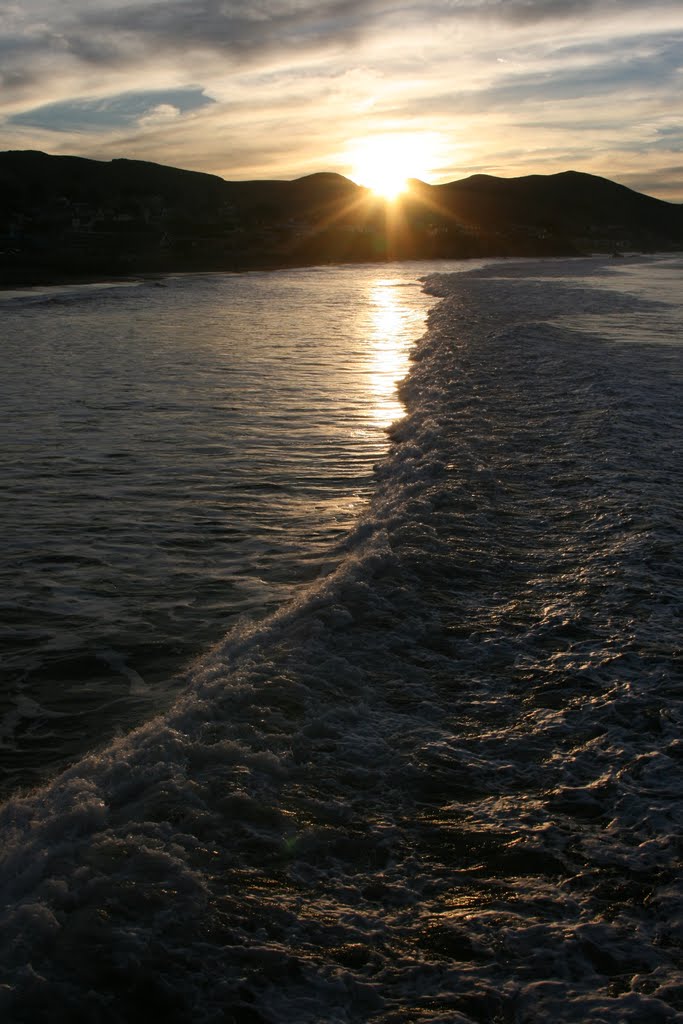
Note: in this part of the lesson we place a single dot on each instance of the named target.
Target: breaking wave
(442, 784)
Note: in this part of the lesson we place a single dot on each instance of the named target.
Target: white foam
(440, 785)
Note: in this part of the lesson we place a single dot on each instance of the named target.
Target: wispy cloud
(125, 110)
(250, 88)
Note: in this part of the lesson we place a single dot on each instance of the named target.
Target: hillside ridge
(64, 216)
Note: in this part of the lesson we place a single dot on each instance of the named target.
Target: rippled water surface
(442, 784)
(175, 454)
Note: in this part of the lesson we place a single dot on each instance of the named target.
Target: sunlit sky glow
(282, 88)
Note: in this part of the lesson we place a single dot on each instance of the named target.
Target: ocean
(432, 770)
(177, 454)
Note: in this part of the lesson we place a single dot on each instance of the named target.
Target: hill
(63, 216)
(570, 203)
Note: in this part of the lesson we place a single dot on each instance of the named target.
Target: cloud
(277, 88)
(525, 12)
(607, 70)
(124, 110)
(239, 27)
(663, 182)
(161, 115)
(113, 34)
(528, 12)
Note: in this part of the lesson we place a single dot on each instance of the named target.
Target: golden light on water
(392, 333)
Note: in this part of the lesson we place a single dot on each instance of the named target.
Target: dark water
(443, 783)
(176, 455)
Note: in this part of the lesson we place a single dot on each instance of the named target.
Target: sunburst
(384, 163)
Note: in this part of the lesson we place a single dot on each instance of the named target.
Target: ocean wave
(442, 784)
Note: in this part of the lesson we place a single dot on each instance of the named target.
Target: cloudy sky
(282, 88)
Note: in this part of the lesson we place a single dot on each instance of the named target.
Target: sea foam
(442, 784)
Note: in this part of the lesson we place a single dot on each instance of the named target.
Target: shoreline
(45, 278)
(57, 280)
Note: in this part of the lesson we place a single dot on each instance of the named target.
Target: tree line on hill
(63, 217)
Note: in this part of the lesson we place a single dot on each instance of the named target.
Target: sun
(387, 184)
(384, 163)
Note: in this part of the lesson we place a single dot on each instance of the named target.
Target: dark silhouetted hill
(65, 216)
(571, 202)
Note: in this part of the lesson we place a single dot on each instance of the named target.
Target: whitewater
(176, 454)
(441, 784)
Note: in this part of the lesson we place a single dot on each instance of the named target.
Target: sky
(440, 89)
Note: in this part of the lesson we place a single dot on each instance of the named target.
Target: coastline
(124, 220)
(63, 280)
(46, 279)
(41, 279)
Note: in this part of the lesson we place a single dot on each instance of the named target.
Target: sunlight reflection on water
(390, 341)
(178, 454)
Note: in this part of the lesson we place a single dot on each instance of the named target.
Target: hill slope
(569, 201)
(66, 215)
